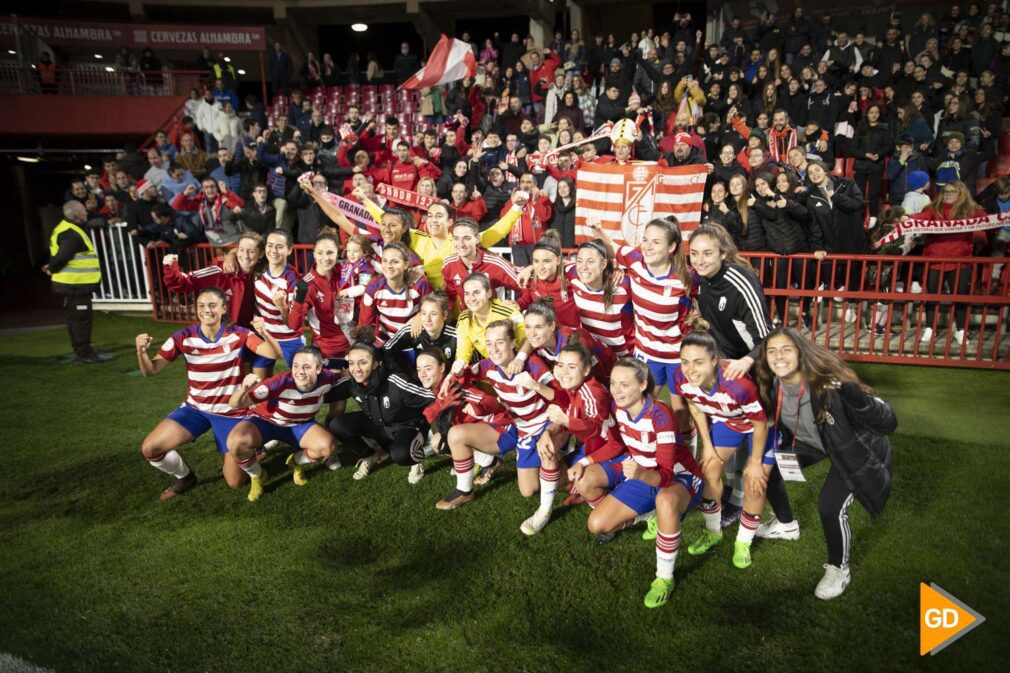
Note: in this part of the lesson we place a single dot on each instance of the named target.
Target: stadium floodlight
(227, 59)
(29, 160)
(241, 71)
(11, 52)
(87, 167)
(109, 68)
(359, 27)
(99, 57)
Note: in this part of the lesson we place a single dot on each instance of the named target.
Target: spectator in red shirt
(536, 214)
(212, 204)
(472, 207)
(405, 170)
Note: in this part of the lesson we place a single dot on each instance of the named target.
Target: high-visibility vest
(84, 268)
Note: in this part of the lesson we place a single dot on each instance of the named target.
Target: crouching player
(657, 472)
(285, 410)
(213, 354)
(731, 412)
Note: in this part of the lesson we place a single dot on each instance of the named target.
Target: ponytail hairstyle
(466, 222)
(820, 368)
(436, 354)
(671, 227)
(601, 249)
(288, 241)
(329, 234)
(544, 307)
(550, 240)
(405, 252)
(505, 324)
(642, 373)
(363, 338)
(574, 345)
(724, 240)
(405, 217)
(702, 339)
(439, 298)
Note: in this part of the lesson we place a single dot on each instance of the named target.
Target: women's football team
(569, 377)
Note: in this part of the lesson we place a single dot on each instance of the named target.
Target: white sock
(748, 527)
(302, 459)
(711, 511)
(464, 473)
(667, 545)
(483, 459)
(250, 467)
(548, 487)
(173, 464)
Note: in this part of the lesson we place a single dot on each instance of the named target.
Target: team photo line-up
(413, 326)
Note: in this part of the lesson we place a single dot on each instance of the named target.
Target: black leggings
(352, 428)
(869, 177)
(833, 506)
(934, 283)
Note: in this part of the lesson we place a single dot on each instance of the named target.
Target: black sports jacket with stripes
(733, 302)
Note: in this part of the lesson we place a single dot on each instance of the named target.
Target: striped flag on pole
(450, 60)
(625, 198)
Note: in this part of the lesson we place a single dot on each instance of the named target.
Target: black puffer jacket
(753, 240)
(875, 140)
(836, 223)
(854, 435)
(783, 227)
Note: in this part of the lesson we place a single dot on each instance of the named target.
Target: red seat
(839, 168)
(998, 166)
(850, 167)
(1004, 143)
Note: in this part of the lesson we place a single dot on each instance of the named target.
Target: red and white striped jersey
(388, 310)
(265, 286)
(652, 439)
(281, 403)
(528, 409)
(661, 305)
(735, 403)
(614, 326)
(214, 368)
(589, 417)
(603, 358)
(499, 271)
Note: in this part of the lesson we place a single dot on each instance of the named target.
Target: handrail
(98, 79)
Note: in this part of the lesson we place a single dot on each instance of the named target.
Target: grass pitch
(97, 575)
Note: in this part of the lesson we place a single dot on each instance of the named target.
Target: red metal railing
(895, 293)
(99, 80)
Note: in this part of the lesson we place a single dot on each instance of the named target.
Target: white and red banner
(915, 226)
(404, 197)
(625, 198)
(451, 60)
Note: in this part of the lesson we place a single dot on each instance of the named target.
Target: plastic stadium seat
(1004, 143)
(839, 168)
(982, 184)
(998, 166)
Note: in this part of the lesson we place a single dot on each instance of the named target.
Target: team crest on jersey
(722, 303)
(448, 353)
(319, 296)
(385, 402)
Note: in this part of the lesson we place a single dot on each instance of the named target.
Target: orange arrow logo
(942, 619)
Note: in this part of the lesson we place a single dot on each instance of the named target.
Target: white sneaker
(773, 529)
(916, 288)
(833, 583)
(272, 444)
(927, 335)
(416, 473)
(850, 314)
(364, 467)
(535, 523)
(838, 299)
(959, 337)
(333, 462)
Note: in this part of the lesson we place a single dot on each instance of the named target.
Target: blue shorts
(198, 422)
(640, 496)
(662, 372)
(526, 447)
(256, 361)
(289, 347)
(724, 436)
(290, 435)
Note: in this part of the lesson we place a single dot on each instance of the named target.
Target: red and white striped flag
(625, 198)
(450, 60)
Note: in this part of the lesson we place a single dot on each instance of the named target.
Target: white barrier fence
(125, 283)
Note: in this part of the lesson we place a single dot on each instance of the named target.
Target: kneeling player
(286, 408)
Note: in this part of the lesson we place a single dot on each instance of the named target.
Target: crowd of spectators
(807, 131)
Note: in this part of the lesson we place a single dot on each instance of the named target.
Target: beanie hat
(956, 135)
(634, 98)
(143, 184)
(917, 180)
(682, 138)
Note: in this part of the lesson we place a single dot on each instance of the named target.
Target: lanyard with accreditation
(788, 462)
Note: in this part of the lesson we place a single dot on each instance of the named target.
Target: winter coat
(854, 436)
(836, 224)
(783, 227)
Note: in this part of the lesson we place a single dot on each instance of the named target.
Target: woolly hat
(615, 61)
(634, 98)
(143, 184)
(917, 180)
(682, 138)
(955, 135)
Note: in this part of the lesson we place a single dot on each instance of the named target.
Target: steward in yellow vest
(76, 274)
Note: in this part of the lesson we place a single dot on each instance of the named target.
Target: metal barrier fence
(99, 80)
(882, 320)
(124, 262)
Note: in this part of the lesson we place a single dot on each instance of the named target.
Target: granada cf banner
(625, 198)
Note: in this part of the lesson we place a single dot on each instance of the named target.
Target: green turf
(97, 575)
